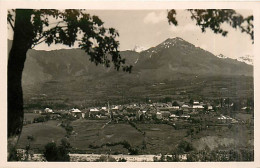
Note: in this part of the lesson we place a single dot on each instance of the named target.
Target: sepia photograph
(130, 85)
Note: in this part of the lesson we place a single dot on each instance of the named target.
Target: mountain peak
(139, 49)
(174, 39)
(176, 42)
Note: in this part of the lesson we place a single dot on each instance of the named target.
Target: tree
(30, 139)
(63, 150)
(51, 152)
(184, 146)
(167, 99)
(206, 107)
(32, 27)
(13, 155)
(227, 102)
(122, 160)
(175, 103)
(60, 153)
(191, 101)
(214, 18)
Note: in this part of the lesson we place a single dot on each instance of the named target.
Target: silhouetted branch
(11, 24)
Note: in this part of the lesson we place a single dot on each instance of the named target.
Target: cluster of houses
(162, 111)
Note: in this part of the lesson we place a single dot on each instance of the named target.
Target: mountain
(169, 60)
(66, 77)
(248, 59)
(175, 57)
(139, 49)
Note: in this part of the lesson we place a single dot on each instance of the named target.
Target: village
(189, 118)
(170, 111)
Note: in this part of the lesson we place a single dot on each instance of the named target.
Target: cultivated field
(96, 133)
(92, 136)
(121, 91)
(161, 138)
(30, 116)
(43, 133)
(158, 138)
(225, 137)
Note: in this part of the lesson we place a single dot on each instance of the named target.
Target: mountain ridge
(171, 59)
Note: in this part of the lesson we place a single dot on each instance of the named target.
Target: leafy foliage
(214, 18)
(175, 103)
(185, 146)
(41, 119)
(172, 17)
(60, 153)
(75, 26)
(51, 152)
(34, 26)
(13, 156)
(122, 160)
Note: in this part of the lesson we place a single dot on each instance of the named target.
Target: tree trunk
(22, 41)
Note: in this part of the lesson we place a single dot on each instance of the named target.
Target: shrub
(51, 152)
(60, 153)
(122, 160)
(39, 119)
(68, 129)
(13, 155)
(185, 146)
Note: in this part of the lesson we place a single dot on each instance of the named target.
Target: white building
(175, 107)
(210, 108)
(173, 116)
(115, 108)
(104, 108)
(185, 106)
(48, 110)
(77, 112)
(93, 110)
(196, 102)
(159, 115)
(197, 107)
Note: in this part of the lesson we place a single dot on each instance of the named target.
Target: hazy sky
(148, 28)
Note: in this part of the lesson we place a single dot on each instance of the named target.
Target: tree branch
(57, 23)
(37, 43)
(11, 24)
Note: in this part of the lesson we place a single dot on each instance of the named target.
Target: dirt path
(105, 124)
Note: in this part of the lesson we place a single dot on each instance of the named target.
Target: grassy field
(224, 137)
(43, 134)
(161, 138)
(116, 91)
(30, 116)
(93, 132)
(245, 117)
(90, 135)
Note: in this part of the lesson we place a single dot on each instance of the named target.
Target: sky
(148, 28)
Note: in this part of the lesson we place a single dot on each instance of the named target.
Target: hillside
(67, 76)
(168, 60)
(176, 56)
